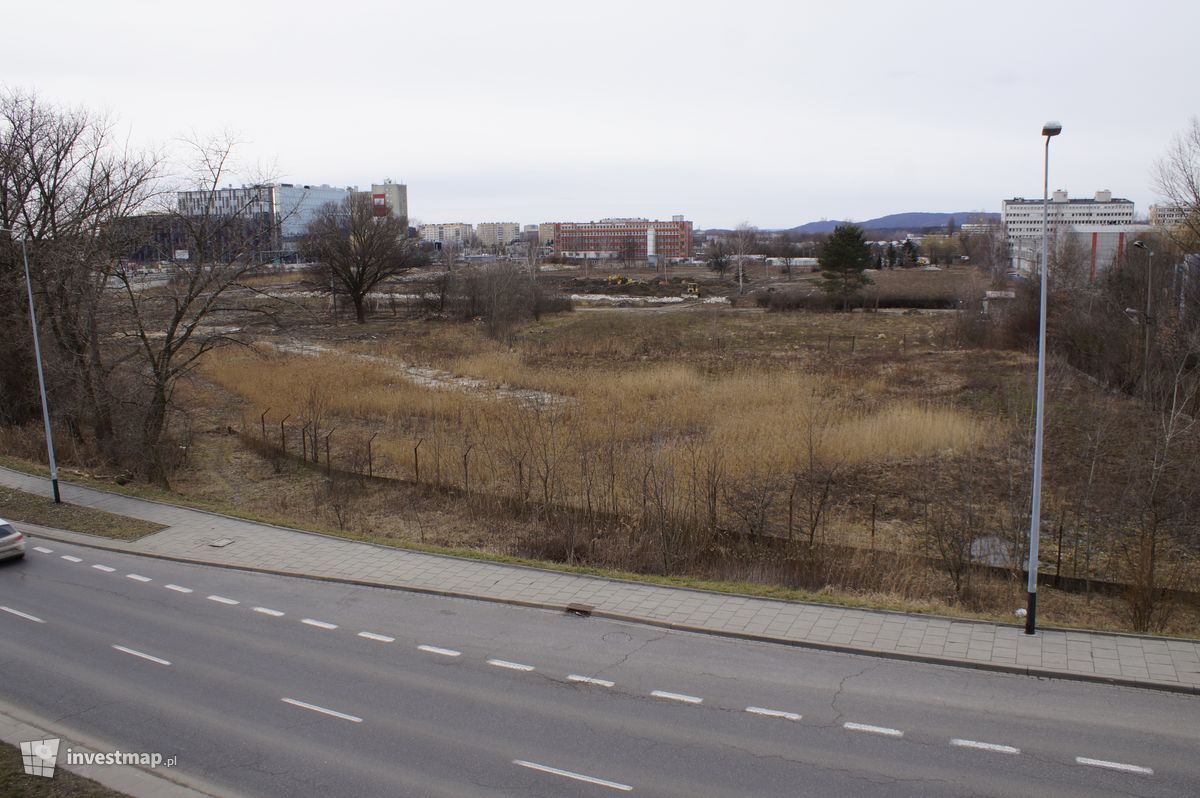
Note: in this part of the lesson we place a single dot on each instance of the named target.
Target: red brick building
(624, 238)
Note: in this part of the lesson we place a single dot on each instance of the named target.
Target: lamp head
(1051, 129)
(1140, 244)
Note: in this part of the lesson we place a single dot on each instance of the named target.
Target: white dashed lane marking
(993, 747)
(269, 611)
(138, 578)
(1121, 766)
(104, 568)
(24, 615)
(141, 654)
(772, 713)
(685, 699)
(178, 589)
(612, 785)
(512, 666)
(380, 638)
(319, 624)
(43, 549)
(869, 729)
(223, 600)
(69, 558)
(443, 652)
(574, 677)
(331, 712)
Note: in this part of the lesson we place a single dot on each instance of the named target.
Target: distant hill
(916, 220)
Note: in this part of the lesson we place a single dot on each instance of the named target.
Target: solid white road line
(866, 727)
(686, 699)
(445, 652)
(20, 614)
(223, 600)
(43, 549)
(574, 677)
(512, 666)
(612, 785)
(178, 589)
(138, 578)
(104, 568)
(380, 638)
(140, 654)
(69, 558)
(994, 747)
(322, 710)
(269, 611)
(1121, 766)
(773, 713)
(319, 624)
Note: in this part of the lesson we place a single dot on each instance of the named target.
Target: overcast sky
(776, 113)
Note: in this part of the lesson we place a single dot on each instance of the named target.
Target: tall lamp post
(37, 356)
(1148, 318)
(1049, 130)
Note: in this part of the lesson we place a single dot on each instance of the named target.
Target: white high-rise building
(493, 234)
(1103, 223)
(455, 233)
(1023, 217)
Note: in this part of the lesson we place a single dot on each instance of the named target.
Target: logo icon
(39, 756)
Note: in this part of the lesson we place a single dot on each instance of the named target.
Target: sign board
(379, 204)
(181, 254)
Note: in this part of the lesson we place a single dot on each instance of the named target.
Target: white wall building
(455, 233)
(1167, 215)
(493, 234)
(1103, 224)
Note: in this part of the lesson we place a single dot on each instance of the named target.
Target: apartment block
(493, 234)
(455, 233)
(390, 199)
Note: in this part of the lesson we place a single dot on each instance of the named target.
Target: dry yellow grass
(606, 435)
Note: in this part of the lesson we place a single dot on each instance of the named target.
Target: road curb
(557, 572)
(996, 667)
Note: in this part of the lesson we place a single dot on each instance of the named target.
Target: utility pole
(1148, 319)
(1049, 130)
(37, 356)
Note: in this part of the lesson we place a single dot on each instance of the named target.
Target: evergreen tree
(844, 260)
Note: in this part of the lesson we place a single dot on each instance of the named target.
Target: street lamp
(1049, 130)
(37, 356)
(1146, 321)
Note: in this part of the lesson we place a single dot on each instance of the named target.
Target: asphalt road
(278, 686)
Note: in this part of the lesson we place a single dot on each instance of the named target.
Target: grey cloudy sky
(776, 113)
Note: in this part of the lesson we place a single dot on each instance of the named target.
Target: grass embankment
(14, 783)
(17, 505)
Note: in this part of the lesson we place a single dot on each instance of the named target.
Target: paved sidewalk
(1124, 659)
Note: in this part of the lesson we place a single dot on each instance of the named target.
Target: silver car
(12, 542)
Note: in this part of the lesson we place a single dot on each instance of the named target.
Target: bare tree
(162, 332)
(1177, 178)
(66, 187)
(743, 243)
(358, 249)
(987, 249)
(718, 257)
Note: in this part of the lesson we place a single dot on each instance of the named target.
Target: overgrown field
(863, 453)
